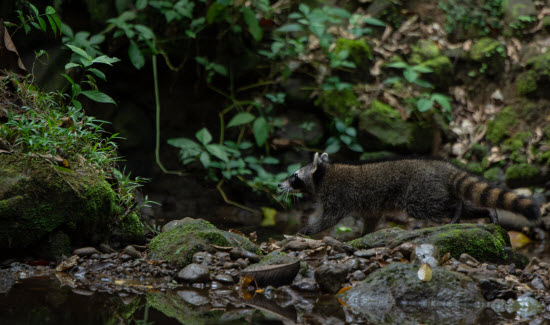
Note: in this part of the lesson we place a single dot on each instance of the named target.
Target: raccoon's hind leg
(458, 211)
(471, 211)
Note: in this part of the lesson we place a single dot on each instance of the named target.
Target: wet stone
(358, 275)
(371, 268)
(125, 257)
(296, 245)
(85, 251)
(306, 285)
(221, 257)
(194, 273)
(538, 284)
(365, 253)
(202, 258)
(193, 297)
(242, 263)
(468, 260)
(95, 256)
(331, 276)
(132, 251)
(426, 253)
(224, 278)
(352, 264)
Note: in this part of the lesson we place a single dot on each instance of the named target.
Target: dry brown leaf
(9, 58)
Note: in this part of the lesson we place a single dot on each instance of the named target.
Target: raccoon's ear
(324, 157)
(315, 160)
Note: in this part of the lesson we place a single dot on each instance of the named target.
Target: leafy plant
(346, 134)
(410, 74)
(36, 20)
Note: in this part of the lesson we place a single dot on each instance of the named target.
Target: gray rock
(468, 260)
(193, 297)
(538, 284)
(85, 251)
(224, 278)
(194, 273)
(202, 258)
(395, 294)
(330, 276)
(306, 285)
(132, 251)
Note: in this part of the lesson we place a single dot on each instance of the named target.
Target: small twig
(222, 193)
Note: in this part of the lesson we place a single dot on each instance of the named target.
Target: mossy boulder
(358, 51)
(490, 53)
(518, 16)
(385, 123)
(395, 295)
(44, 206)
(503, 124)
(338, 103)
(484, 242)
(442, 74)
(424, 50)
(178, 244)
(536, 78)
(522, 175)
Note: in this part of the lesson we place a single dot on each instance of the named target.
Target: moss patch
(526, 83)
(338, 103)
(384, 122)
(484, 242)
(178, 244)
(502, 125)
(41, 199)
(521, 172)
(358, 51)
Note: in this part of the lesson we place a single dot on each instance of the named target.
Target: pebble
(194, 273)
(296, 245)
(132, 251)
(468, 260)
(358, 275)
(125, 257)
(365, 253)
(306, 285)
(224, 278)
(330, 276)
(202, 258)
(85, 251)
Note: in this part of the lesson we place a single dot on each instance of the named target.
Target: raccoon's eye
(296, 182)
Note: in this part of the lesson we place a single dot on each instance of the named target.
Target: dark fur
(423, 188)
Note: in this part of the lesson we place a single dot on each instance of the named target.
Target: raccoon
(423, 188)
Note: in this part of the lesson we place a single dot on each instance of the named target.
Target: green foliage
(36, 20)
(345, 134)
(521, 172)
(502, 125)
(470, 18)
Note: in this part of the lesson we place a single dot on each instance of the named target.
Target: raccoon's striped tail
(481, 193)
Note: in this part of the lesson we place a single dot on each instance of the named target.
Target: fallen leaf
(344, 289)
(518, 239)
(425, 272)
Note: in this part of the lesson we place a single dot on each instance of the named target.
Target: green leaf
(289, 28)
(105, 60)
(410, 75)
(34, 9)
(98, 96)
(205, 159)
(270, 161)
(218, 151)
(374, 21)
(442, 100)
(71, 65)
(422, 69)
(240, 119)
(184, 143)
(77, 104)
(49, 10)
(245, 145)
(304, 8)
(145, 31)
(66, 30)
(68, 78)
(136, 57)
(356, 147)
(53, 24)
(423, 83)
(259, 128)
(333, 147)
(253, 25)
(42, 24)
(141, 4)
(398, 65)
(351, 131)
(204, 136)
(424, 104)
(340, 126)
(96, 72)
(79, 51)
(392, 80)
(215, 13)
(345, 139)
(219, 69)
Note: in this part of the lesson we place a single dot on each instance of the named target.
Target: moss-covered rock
(358, 51)
(185, 306)
(178, 244)
(442, 68)
(526, 82)
(502, 125)
(484, 242)
(490, 53)
(518, 16)
(474, 168)
(390, 295)
(385, 123)
(521, 175)
(423, 50)
(38, 200)
(494, 174)
(338, 103)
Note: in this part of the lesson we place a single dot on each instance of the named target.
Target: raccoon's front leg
(458, 211)
(327, 218)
